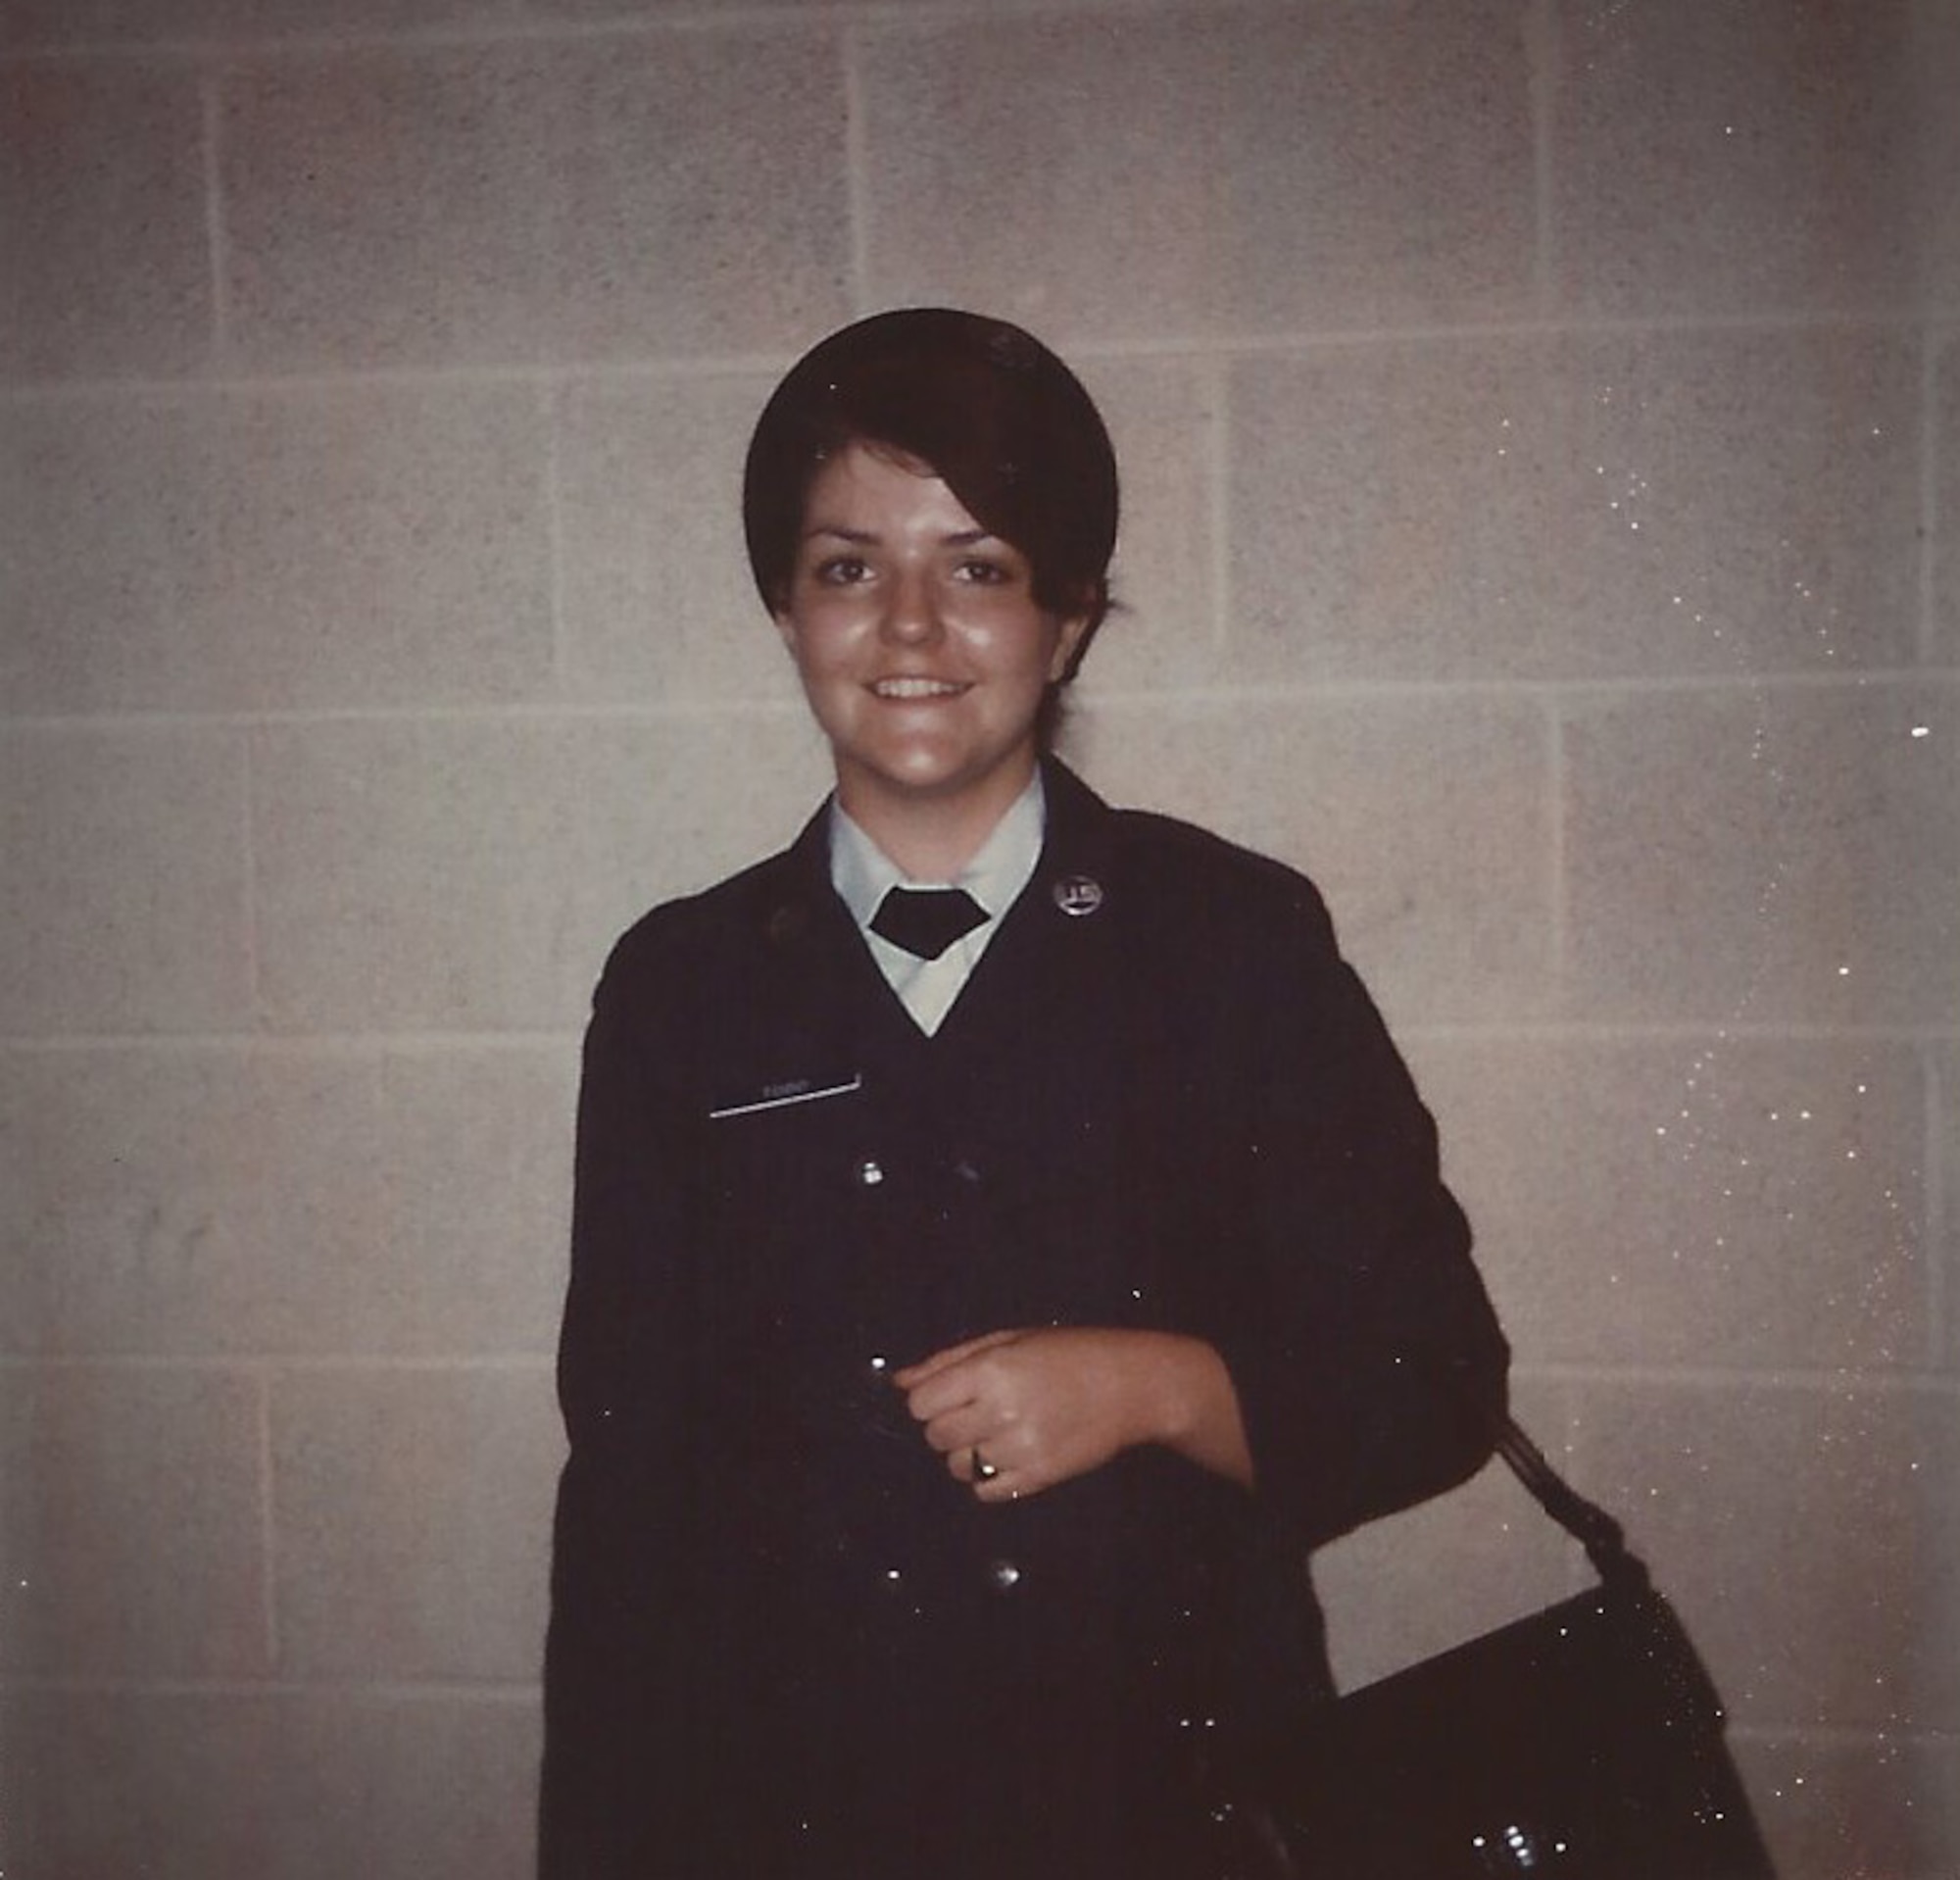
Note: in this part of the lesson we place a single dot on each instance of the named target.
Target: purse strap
(1596, 1531)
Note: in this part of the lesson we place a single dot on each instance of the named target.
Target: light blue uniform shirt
(1005, 863)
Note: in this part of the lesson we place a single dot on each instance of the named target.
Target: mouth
(911, 689)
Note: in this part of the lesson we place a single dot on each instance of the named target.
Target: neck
(932, 838)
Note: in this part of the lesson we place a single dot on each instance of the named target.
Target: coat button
(1003, 1577)
(869, 1174)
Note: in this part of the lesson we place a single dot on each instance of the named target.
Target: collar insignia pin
(1078, 894)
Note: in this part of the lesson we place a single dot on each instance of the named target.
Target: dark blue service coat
(784, 1642)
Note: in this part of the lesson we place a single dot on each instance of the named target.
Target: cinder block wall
(1542, 429)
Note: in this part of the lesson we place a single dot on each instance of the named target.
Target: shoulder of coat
(757, 900)
(1152, 843)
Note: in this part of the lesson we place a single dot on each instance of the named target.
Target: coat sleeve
(614, 1739)
(1368, 1363)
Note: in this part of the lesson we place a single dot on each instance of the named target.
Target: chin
(932, 783)
(930, 776)
(924, 768)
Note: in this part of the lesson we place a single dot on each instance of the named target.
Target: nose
(912, 614)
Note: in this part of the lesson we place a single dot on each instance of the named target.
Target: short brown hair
(987, 408)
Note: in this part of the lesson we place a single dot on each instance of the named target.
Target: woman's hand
(1043, 1406)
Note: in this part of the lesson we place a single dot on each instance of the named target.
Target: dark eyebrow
(840, 533)
(869, 538)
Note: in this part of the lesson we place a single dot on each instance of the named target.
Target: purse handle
(1596, 1531)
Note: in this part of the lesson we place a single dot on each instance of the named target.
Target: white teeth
(916, 689)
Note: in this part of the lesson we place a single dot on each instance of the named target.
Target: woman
(1005, 1238)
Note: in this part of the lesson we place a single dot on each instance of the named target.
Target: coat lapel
(1053, 960)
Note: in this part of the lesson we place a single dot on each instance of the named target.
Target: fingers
(974, 1466)
(961, 1429)
(951, 1378)
(913, 1375)
(1005, 1487)
(971, 1412)
(991, 1479)
(984, 1453)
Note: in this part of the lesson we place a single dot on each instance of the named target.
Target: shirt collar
(861, 872)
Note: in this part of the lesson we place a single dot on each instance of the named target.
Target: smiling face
(922, 650)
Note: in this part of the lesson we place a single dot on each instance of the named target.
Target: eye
(981, 571)
(840, 570)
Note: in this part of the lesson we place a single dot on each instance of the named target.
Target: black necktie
(926, 920)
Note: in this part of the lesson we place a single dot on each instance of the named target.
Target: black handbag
(1583, 1743)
